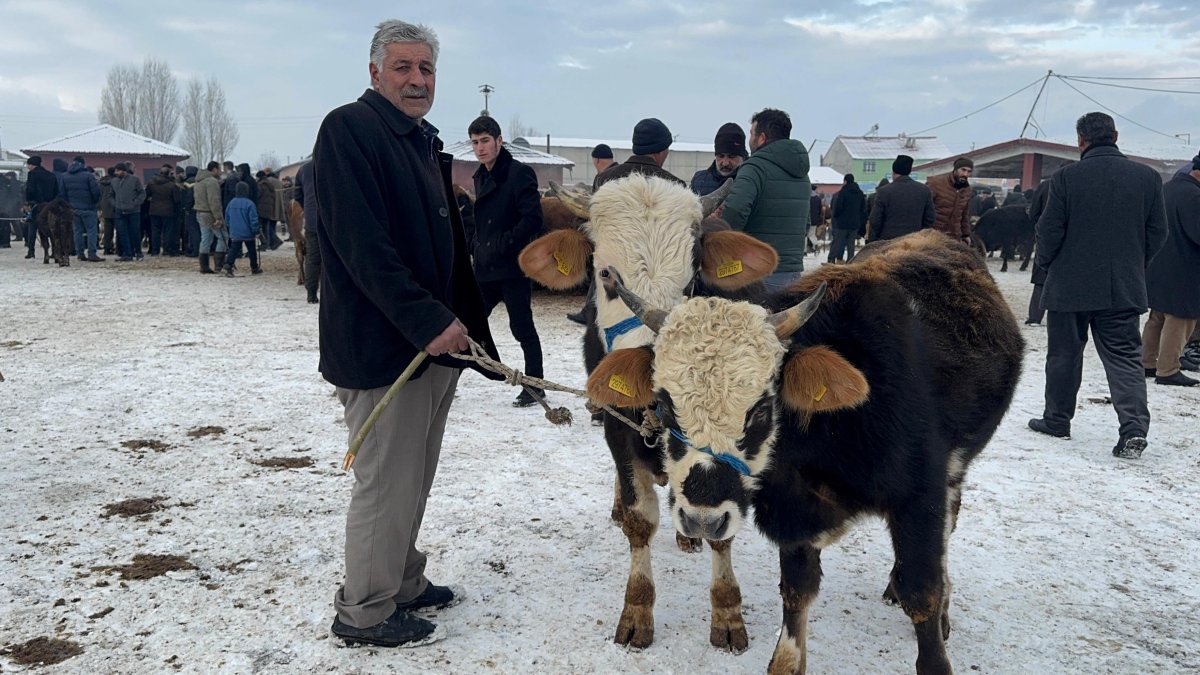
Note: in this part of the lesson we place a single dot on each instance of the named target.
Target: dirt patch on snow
(138, 507)
(148, 566)
(278, 463)
(145, 444)
(43, 650)
(200, 432)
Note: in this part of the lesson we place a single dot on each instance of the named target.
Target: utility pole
(1033, 107)
(1185, 137)
(486, 89)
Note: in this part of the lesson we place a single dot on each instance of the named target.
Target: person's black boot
(433, 597)
(1177, 380)
(524, 399)
(399, 629)
(204, 268)
(1042, 427)
(312, 299)
(1150, 372)
(1130, 447)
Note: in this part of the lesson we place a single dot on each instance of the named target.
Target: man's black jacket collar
(397, 121)
(486, 181)
(1101, 149)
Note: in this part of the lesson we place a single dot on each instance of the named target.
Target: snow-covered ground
(1065, 559)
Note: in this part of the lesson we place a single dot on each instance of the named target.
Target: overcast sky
(592, 69)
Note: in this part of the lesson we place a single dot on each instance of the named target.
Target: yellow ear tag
(820, 393)
(729, 269)
(618, 384)
(564, 267)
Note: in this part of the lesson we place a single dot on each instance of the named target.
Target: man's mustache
(415, 92)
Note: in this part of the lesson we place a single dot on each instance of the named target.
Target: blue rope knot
(723, 457)
(620, 328)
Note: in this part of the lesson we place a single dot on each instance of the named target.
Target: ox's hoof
(945, 625)
(687, 544)
(636, 628)
(889, 594)
(731, 637)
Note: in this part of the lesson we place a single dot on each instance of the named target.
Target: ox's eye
(761, 413)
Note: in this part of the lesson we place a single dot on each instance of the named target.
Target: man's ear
(818, 379)
(557, 260)
(733, 260)
(622, 379)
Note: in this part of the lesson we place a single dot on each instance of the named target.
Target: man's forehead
(410, 52)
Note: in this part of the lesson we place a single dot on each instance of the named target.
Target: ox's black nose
(703, 526)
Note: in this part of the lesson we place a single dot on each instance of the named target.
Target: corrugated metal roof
(589, 143)
(887, 147)
(462, 151)
(107, 140)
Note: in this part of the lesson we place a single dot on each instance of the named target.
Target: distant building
(869, 158)
(684, 160)
(105, 145)
(547, 166)
(826, 180)
(13, 160)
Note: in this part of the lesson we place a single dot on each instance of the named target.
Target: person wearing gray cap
(651, 145)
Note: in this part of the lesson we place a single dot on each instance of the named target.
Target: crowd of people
(179, 211)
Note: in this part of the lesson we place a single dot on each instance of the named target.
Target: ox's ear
(557, 260)
(622, 379)
(733, 260)
(818, 379)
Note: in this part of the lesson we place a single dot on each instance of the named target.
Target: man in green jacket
(769, 198)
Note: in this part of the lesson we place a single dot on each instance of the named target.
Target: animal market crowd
(403, 274)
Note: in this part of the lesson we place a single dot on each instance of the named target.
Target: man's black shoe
(401, 628)
(1031, 322)
(524, 399)
(1189, 364)
(578, 318)
(1177, 380)
(1039, 425)
(433, 597)
(1130, 448)
(1150, 372)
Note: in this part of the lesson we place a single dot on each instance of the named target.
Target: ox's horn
(712, 200)
(651, 316)
(791, 319)
(577, 201)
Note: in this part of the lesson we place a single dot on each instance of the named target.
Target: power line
(959, 119)
(1129, 86)
(1141, 79)
(1171, 136)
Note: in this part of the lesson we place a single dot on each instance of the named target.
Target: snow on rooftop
(106, 139)
(461, 150)
(887, 147)
(824, 175)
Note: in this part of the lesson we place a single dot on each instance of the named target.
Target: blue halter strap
(618, 329)
(725, 458)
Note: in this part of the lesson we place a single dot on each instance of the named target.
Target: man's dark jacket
(901, 207)
(1036, 206)
(41, 186)
(642, 164)
(163, 195)
(1104, 221)
(80, 188)
(1173, 279)
(394, 265)
(508, 215)
(849, 208)
(306, 196)
(708, 180)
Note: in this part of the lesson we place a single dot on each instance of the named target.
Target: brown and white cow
(651, 230)
(870, 392)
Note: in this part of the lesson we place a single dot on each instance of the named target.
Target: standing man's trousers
(1163, 341)
(392, 476)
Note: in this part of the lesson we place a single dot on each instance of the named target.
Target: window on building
(868, 167)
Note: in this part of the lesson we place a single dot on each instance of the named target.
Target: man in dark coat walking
(508, 215)
(1173, 282)
(849, 211)
(1103, 223)
(396, 282)
(902, 207)
(41, 187)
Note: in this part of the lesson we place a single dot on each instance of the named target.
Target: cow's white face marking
(646, 228)
(716, 363)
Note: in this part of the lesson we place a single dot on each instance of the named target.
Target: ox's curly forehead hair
(393, 31)
(716, 358)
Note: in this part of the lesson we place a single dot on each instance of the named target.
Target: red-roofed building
(105, 145)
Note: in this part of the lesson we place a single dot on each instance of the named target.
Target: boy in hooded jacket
(241, 216)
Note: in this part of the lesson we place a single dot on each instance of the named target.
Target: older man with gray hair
(397, 285)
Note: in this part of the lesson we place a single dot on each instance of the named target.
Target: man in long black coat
(902, 207)
(508, 215)
(1103, 223)
(396, 280)
(1173, 282)
(849, 211)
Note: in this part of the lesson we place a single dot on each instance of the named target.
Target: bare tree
(268, 159)
(158, 102)
(209, 131)
(517, 130)
(119, 98)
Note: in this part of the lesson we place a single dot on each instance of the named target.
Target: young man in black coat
(849, 211)
(1103, 223)
(508, 215)
(395, 281)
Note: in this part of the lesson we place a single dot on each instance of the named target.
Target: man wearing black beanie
(729, 151)
(602, 158)
(651, 143)
(901, 207)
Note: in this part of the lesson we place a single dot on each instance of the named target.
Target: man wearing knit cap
(952, 200)
(602, 158)
(901, 207)
(41, 187)
(651, 143)
(729, 151)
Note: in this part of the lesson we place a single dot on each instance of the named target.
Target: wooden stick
(348, 460)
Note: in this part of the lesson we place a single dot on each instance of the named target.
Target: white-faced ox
(871, 400)
(652, 232)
